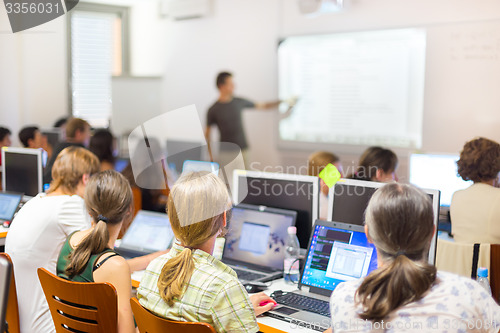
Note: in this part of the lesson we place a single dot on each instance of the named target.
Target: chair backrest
(79, 306)
(495, 271)
(12, 315)
(148, 322)
(462, 258)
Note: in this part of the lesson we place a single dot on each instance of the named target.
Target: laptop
(9, 203)
(337, 252)
(255, 243)
(149, 232)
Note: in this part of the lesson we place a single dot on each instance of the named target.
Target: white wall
(241, 36)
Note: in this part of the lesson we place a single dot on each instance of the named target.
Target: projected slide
(354, 88)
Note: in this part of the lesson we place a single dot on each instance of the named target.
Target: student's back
(188, 283)
(406, 293)
(40, 229)
(475, 211)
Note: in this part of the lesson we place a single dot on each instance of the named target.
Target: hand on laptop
(262, 303)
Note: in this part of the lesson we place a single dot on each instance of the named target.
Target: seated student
(475, 211)
(77, 134)
(40, 228)
(4, 139)
(87, 255)
(5, 134)
(188, 283)
(377, 164)
(102, 144)
(31, 137)
(316, 162)
(61, 123)
(406, 293)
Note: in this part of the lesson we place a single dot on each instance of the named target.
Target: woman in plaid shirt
(188, 283)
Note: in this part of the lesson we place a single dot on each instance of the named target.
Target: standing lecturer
(226, 113)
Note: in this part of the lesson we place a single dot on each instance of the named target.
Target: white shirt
(475, 214)
(454, 304)
(34, 240)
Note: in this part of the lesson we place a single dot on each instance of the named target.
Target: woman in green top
(87, 255)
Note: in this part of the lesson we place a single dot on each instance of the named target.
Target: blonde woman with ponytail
(87, 255)
(406, 294)
(188, 283)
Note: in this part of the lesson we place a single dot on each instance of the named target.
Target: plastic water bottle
(482, 279)
(291, 265)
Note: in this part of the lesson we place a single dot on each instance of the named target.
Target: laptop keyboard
(247, 275)
(305, 303)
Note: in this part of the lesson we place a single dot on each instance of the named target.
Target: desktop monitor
(349, 198)
(22, 170)
(437, 171)
(284, 191)
(180, 151)
(54, 136)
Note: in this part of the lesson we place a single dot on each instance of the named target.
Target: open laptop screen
(337, 253)
(257, 235)
(8, 205)
(149, 231)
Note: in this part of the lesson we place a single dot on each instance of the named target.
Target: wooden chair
(78, 306)
(148, 322)
(12, 314)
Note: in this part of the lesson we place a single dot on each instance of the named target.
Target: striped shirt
(213, 295)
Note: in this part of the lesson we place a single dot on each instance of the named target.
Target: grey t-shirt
(227, 117)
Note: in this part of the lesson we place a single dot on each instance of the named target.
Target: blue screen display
(337, 255)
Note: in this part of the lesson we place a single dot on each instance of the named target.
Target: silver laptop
(337, 252)
(149, 232)
(255, 243)
(9, 204)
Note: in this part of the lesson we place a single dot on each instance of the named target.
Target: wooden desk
(266, 324)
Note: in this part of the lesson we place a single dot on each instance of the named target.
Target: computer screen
(121, 164)
(22, 170)
(348, 200)
(148, 231)
(285, 191)
(8, 205)
(180, 151)
(196, 166)
(54, 136)
(437, 171)
(257, 235)
(337, 253)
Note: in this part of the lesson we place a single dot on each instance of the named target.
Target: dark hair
(479, 160)
(60, 122)
(27, 133)
(101, 144)
(4, 132)
(108, 199)
(400, 222)
(375, 158)
(221, 78)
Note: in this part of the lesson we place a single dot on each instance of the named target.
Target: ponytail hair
(400, 223)
(196, 208)
(108, 199)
